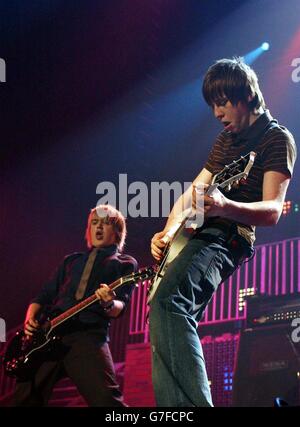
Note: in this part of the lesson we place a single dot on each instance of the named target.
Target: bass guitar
(24, 354)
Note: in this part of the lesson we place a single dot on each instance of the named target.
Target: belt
(217, 229)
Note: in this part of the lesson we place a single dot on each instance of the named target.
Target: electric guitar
(25, 354)
(184, 228)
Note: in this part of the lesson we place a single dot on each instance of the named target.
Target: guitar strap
(88, 269)
(86, 274)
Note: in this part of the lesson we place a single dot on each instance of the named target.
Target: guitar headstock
(141, 275)
(231, 175)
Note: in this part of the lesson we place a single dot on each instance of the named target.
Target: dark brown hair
(234, 80)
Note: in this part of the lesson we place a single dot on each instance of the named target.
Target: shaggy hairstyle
(112, 216)
(234, 80)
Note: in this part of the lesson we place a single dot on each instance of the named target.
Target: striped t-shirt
(275, 150)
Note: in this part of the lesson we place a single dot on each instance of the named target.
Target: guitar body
(24, 355)
(180, 240)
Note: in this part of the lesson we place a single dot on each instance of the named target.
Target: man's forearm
(182, 203)
(264, 213)
(32, 311)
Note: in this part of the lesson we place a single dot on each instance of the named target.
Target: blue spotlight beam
(250, 57)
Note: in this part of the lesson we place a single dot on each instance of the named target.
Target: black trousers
(86, 361)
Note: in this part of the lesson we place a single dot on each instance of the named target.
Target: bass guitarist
(83, 354)
(226, 238)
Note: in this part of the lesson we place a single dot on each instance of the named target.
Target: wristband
(109, 307)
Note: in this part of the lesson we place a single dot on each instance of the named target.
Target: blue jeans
(178, 367)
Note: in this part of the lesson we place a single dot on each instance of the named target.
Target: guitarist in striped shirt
(227, 236)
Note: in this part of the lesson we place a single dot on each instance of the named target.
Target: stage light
(287, 205)
(251, 56)
(265, 46)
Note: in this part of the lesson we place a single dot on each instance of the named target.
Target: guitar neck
(82, 305)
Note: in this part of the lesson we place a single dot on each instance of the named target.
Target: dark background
(99, 88)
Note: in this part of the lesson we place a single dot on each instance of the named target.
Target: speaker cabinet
(267, 366)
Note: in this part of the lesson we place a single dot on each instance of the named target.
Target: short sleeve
(280, 152)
